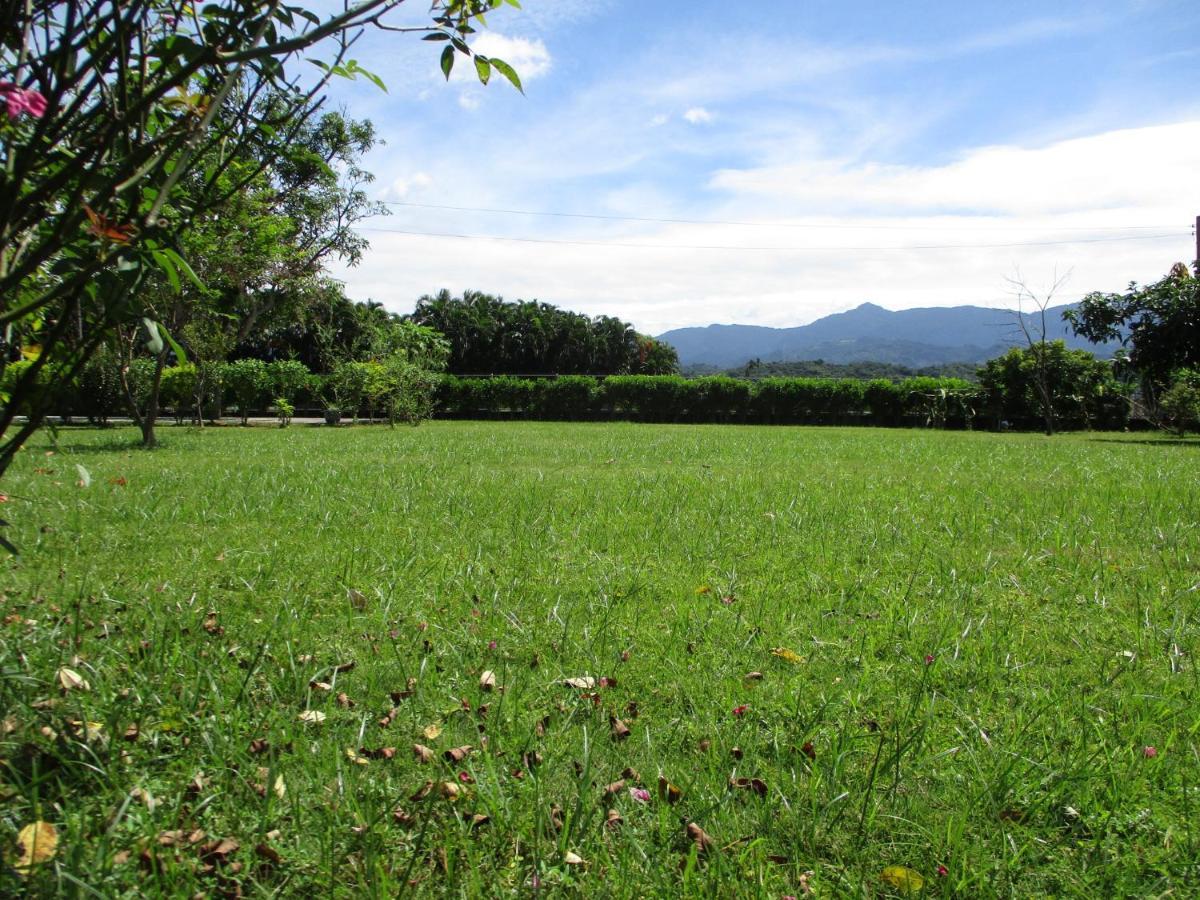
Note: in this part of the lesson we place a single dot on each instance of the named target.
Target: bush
(178, 389)
(288, 378)
(1180, 402)
(247, 381)
(567, 397)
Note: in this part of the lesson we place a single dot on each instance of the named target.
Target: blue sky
(1005, 138)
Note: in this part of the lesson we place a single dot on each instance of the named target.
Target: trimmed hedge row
(946, 402)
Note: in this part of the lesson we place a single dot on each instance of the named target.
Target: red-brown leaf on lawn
(344, 667)
(344, 701)
(531, 759)
(777, 859)
(479, 820)
(411, 689)
(556, 819)
(757, 785)
(269, 853)
(389, 717)
(613, 820)
(259, 745)
(210, 624)
(620, 731)
(808, 750)
(631, 774)
(423, 753)
(131, 733)
(704, 746)
(487, 681)
(631, 709)
(218, 851)
(736, 752)
(179, 838)
(422, 792)
(457, 754)
(400, 817)
(381, 753)
(700, 838)
(615, 787)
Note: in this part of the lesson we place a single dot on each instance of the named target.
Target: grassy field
(966, 654)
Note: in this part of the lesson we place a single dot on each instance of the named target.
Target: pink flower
(18, 100)
(929, 658)
(1149, 752)
(942, 871)
(739, 711)
(491, 645)
(641, 795)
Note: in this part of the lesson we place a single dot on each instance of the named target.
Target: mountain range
(910, 337)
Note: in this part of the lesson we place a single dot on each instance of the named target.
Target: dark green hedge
(945, 402)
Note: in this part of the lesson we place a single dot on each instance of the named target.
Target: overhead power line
(810, 225)
(759, 249)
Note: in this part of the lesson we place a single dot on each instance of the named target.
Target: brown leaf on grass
(357, 598)
(180, 838)
(700, 838)
(311, 717)
(1012, 814)
(197, 784)
(631, 774)
(131, 733)
(620, 731)
(36, 843)
(344, 667)
(704, 746)
(423, 753)
(573, 859)
(556, 820)
(355, 758)
(613, 819)
(778, 859)
(582, 683)
(381, 753)
(122, 857)
(70, 680)
(344, 701)
(479, 820)
(531, 759)
(422, 792)
(389, 717)
(614, 788)
(219, 851)
(736, 752)
(752, 677)
(400, 817)
(449, 791)
(411, 689)
(667, 791)
(211, 625)
(269, 853)
(323, 686)
(757, 785)
(259, 745)
(457, 754)
(487, 681)
(808, 750)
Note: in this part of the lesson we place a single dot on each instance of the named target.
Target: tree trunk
(150, 417)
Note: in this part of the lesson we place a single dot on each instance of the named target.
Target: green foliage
(1160, 323)
(1181, 401)
(178, 388)
(1085, 392)
(284, 410)
(288, 378)
(489, 336)
(248, 383)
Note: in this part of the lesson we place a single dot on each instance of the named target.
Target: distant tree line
(491, 336)
(818, 368)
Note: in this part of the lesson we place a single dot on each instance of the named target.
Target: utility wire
(670, 221)
(839, 249)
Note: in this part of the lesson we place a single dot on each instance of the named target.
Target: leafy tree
(249, 383)
(1181, 401)
(1159, 323)
(1084, 390)
(110, 109)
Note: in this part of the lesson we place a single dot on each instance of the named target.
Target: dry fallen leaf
(700, 838)
(422, 753)
(582, 683)
(355, 758)
(36, 844)
(422, 792)
(613, 819)
(457, 754)
(312, 716)
(431, 732)
(620, 730)
(344, 701)
(72, 680)
(357, 598)
(320, 685)
(667, 791)
(487, 681)
(479, 819)
(787, 655)
(449, 790)
(572, 859)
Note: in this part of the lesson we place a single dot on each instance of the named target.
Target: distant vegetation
(819, 368)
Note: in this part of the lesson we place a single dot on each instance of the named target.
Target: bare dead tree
(1033, 329)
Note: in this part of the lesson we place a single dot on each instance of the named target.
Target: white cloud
(405, 186)
(698, 115)
(469, 100)
(528, 56)
(832, 258)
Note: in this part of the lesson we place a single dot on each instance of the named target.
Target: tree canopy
(491, 336)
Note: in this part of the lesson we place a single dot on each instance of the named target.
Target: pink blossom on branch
(18, 100)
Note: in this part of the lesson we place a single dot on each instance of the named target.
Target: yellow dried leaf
(312, 717)
(787, 655)
(355, 758)
(572, 859)
(583, 683)
(903, 879)
(36, 844)
(431, 732)
(72, 680)
(279, 787)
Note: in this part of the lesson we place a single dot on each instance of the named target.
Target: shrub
(288, 378)
(247, 381)
(1181, 401)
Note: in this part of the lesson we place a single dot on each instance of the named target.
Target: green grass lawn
(845, 650)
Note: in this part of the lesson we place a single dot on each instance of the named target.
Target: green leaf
(183, 265)
(447, 61)
(508, 72)
(154, 341)
(180, 355)
(436, 36)
(483, 68)
(164, 262)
